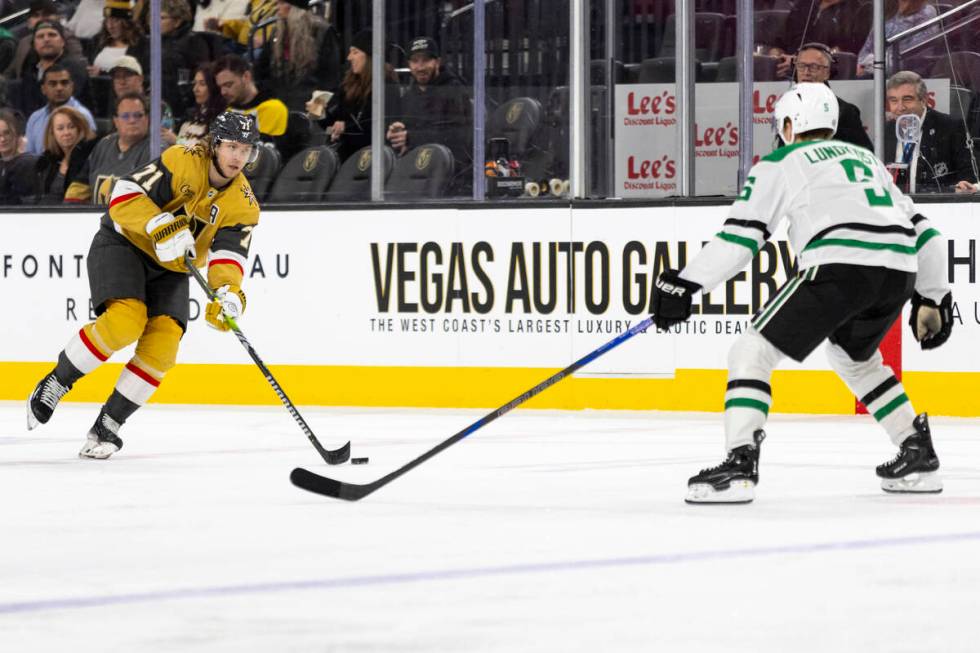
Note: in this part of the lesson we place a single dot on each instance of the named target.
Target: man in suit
(814, 63)
(939, 161)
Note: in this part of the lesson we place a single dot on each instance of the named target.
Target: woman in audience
(208, 103)
(304, 55)
(348, 114)
(68, 140)
(900, 15)
(120, 35)
(16, 168)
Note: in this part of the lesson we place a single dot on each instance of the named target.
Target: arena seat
(353, 181)
(517, 120)
(421, 173)
(306, 176)
(263, 171)
(709, 30)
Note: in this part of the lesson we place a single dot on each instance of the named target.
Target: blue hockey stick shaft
(352, 492)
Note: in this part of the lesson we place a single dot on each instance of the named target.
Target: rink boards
(467, 308)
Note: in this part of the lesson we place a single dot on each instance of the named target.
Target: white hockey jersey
(842, 207)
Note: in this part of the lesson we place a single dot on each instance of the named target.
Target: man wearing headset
(193, 202)
(814, 63)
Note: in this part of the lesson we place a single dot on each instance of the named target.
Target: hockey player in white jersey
(862, 251)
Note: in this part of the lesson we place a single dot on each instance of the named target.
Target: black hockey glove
(672, 299)
(931, 323)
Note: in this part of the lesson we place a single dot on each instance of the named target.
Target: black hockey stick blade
(307, 480)
(331, 457)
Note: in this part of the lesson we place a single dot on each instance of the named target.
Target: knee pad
(120, 325)
(860, 376)
(157, 348)
(752, 357)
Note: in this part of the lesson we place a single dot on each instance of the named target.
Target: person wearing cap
(304, 55)
(436, 107)
(813, 63)
(127, 76)
(58, 88)
(347, 117)
(42, 10)
(120, 36)
(49, 49)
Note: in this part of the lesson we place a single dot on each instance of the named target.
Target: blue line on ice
(476, 572)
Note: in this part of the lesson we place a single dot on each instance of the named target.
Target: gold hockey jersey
(220, 219)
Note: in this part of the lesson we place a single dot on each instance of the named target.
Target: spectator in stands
(813, 64)
(86, 22)
(68, 140)
(208, 103)
(436, 107)
(840, 24)
(348, 114)
(939, 161)
(120, 36)
(239, 30)
(304, 55)
(237, 85)
(900, 15)
(221, 10)
(58, 88)
(49, 49)
(183, 51)
(127, 76)
(16, 167)
(114, 155)
(42, 10)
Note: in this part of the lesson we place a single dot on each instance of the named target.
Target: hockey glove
(672, 299)
(931, 323)
(171, 237)
(228, 302)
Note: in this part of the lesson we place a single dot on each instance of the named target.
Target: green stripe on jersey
(740, 240)
(860, 244)
(924, 237)
(778, 155)
(741, 402)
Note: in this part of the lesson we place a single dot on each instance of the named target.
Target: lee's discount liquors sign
(648, 135)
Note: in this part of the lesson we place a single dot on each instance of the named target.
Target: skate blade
(737, 492)
(923, 483)
(97, 450)
(32, 421)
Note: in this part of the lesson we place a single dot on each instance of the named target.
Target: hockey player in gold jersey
(192, 201)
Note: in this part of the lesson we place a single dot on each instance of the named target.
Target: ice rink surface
(545, 531)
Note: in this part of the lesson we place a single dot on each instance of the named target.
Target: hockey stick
(307, 480)
(331, 457)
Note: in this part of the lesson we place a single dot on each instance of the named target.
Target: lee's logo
(758, 106)
(639, 105)
(662, 168)
(716, 136)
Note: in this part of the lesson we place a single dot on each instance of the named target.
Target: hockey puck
(358, 461)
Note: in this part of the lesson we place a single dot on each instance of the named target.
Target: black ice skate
(733, 481)
(44, 399)
(915, 468)
(103, 438)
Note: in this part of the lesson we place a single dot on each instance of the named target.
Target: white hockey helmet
(809, 106)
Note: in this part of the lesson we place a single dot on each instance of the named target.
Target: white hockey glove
(931, 323)
(171, 237)
(229, 302)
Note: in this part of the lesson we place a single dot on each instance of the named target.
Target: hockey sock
(156, 353)
(119, 408)
(751, 361)
(66, 372)
(120, 324)
(875, 385)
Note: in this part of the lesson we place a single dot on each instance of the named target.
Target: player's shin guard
(875, 385)
(748, 396)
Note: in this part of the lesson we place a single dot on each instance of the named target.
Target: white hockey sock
(875, 385)
(751, 361)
